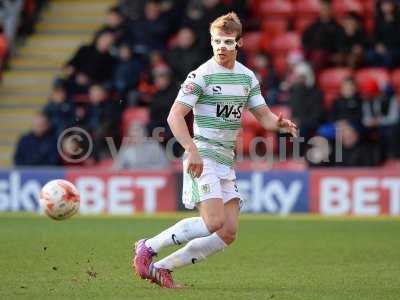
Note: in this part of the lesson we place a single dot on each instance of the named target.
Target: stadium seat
(395, 79)
(134, 115)
(252, 41)
(301, 24)
(282, 109)
(3, 46)
(381, 75)
(274, 27)
(306, 8)
(369, 8)
(280, 64)
(330, 80)
(369, 25)
(276, 9)
(249, 121)
(284, 43)
(340, 7)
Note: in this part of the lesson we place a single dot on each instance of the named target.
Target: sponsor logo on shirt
(217, 90)
(229, 111)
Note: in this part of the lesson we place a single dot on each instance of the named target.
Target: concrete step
(56, 41)
(79, 7)
(7, 100)
(46, 52)
(36, 63)
(16, 122)
(9, 139)
(72, 28)
(11, 77)
(11, 91)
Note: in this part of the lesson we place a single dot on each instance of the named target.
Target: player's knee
(214, 223)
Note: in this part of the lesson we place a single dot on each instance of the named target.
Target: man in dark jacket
(323, 38)
(185, 57)
(39, 146)
(306, 101)
(162, 100)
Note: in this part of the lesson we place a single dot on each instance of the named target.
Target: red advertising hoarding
(364, 192)
(124, 192)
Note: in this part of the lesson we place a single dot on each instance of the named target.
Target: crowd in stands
(331, 65)
(16, 17)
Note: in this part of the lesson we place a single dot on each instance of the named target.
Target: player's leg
(181, 232)
(198, 249)
(228, 232)
(212, 212)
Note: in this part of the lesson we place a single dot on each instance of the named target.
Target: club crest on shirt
(188, 88)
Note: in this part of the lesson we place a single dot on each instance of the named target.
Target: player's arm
(271, 121)
(177, 123)
(260, 110)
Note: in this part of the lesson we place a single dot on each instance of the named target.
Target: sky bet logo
(229, 111)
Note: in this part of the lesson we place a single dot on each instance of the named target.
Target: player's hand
(287, 126)
(195, 163)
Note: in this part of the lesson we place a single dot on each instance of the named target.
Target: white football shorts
(216, 181)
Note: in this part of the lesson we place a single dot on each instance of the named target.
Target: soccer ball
(59, 199)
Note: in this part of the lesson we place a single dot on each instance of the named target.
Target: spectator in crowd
(93, 61)
(102, 120)
(380, 115)
(386, 51)
(345, 124)
(127, 71)
(59, 110)
(348, 106)
(162, 100)
(115, 23)
(306, 101)
(265, 73)
(185, 56)
(354, 41)
(138, 151)
(39, 146)
(323, 39)
(199, 15)
(151, 31)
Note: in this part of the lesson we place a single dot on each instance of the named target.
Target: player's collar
(222, 67)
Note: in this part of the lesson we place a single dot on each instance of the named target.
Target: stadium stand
(334, 40)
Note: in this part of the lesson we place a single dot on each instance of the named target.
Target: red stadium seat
(249, 121)
(282, 109)
(381, 75)
(276, 9)
(330, 80)
(274, 27)
(307, 8)
(280, 64)
(369, 25)
(341, 7)
(369, 8)
(301, 24)
(395, 79)
(284, 43)
(252, 41)
(134, 115)
(3, 46)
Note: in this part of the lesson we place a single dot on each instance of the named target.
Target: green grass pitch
(273, 258)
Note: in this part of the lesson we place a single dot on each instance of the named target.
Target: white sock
(196, 250)
(182, 232)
